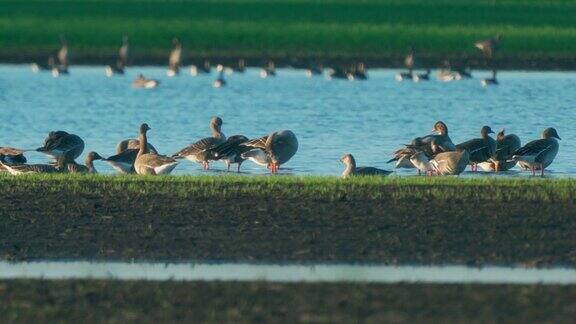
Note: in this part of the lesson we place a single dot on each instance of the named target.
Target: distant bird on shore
(148, 163)
(240, 66)
(203, 68)
(48, 66)
(352, 170)
(538, 154)
(175, 58)
(269, 70)
(314, 69)
(198, 151)
(490, 81)
(61, 68)
(142, 82)
(121, 61)
(12, 156)
(272, 150)
(417, 77)
(446, 74)
(489, 47)
(337, 72)
(220, 81)
(359, 71)
(60, 143)
(481, 149)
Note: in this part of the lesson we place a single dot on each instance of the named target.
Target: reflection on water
(283, 273)
(368, 119)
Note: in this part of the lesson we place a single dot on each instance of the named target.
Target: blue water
(368, 119)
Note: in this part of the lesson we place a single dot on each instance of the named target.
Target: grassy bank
(535, 32)
(415, 220)
(218, 302)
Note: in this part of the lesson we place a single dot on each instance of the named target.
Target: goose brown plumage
(538, 154)
(272, 150)
(480, 149)
(352, 170)
(59, 143)
(198, 151)
(150, 163)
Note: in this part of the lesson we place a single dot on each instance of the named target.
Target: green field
(322, 219)
(378, 31)
(257, 302)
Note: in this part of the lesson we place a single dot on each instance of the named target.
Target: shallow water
(283, 273)
(368, 119)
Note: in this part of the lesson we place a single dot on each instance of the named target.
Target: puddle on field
(283, 273)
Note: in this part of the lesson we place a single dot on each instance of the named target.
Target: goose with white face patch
(150, 163)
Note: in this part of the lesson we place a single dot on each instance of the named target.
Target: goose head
(348, 160)
(93, 156)
(485, 131)
(501, 134)
(144, 128)
(550, 133)
(440, 128)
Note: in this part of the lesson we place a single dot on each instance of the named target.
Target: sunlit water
(283, 273)
(368, 119)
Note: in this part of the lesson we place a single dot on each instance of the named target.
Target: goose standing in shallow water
(204, 68)
(409, 63)
(150, 163)
(70, 166)
(538, 154)
(198, 151)
(231, 151)
(490, 81)
(220, 81)
(272, 150)
(353, 170)
(59, 143)
(61, 68)
(480, 149)
(142, 82)
(50, 64)
(122, 60)
(445, 163)
(175, 58)
(269, 70)
(505, 146)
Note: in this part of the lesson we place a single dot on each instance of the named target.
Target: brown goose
(272, 150)
(175, 58)
(490, 81)
(123, 162)
(538, 154)
(150, 163)
(12, 155)
(71, 166)
(505, 146)
(489, 46)
(133, 144)
(142, 82)
(62, 67)
(204, 68)
(450, 163)
(480, 149)
(59, 143)
(231, 151)
(122, 60)
(197, 152)
(18, 169)
(353, 170)
(268, 71)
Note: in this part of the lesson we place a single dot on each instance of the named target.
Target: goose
(314, 69)
(338, 72)
(150, 163)
(122, 60)
(240, 66)
(70, 166)
(18, 169)
(480, 149)
(446, 74)
(123, 162)
(62, 67)
(360, 72)
(417, 77)
(489, 46)
(12, 155)
(220, 81)
(133, 144)
(403, 156)
(403, 76)
(197, 152)
(272, 150)
(505, 146)
(59, 143)
(445, 163)
(352, 170)
(50, 64)
(409, 60)
(490, 81)
(175, 58)
(538, 154)
(231, 151)
(200, 69)
(142, 82)
(269, 70)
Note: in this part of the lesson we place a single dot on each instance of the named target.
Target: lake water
(283, 273)
(368, 119)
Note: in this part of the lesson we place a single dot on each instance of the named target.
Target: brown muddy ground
(230, 302)
(126, 225)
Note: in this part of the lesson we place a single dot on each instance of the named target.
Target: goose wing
(126, 156)
(535, 148)
(154, 160)
(233, 146)
(197, 147)
(371, 171)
